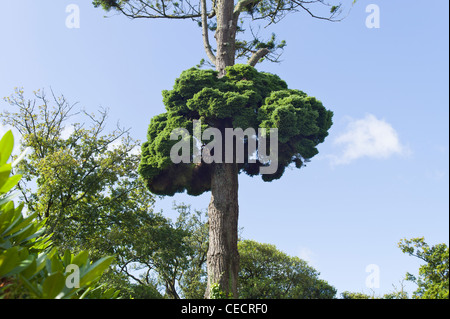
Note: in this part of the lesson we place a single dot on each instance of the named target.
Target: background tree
(267, 273)
(84, 182)
(163, 258)
(30, 266)
(395, 294)
(80, 178)
(433, 279)
(226, 19)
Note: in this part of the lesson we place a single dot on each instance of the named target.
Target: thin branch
(206, 44)
(331, 18)
(153, 13)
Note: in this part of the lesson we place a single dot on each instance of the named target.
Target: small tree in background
(30, 267)
(83, 181)
(433, 279)
(267, 273)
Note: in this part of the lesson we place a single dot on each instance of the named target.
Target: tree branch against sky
(244, 15)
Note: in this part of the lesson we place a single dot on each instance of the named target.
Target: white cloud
(368, 137)
(306, 254)
(67, 132)
(118, 143)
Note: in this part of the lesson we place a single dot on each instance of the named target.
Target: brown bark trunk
(225, 35)
(223, 210)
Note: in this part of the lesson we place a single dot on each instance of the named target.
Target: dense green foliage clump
(243, 98)
(267, 273)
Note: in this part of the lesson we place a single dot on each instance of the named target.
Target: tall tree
(225, 18)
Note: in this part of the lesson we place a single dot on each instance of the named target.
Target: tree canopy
(267, 273)
(433, 279)
(243, 98)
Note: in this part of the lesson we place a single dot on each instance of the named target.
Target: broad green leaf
(67, 257)
(22, 233)
(53, 285)
(6, 147)
(9, 259)
(81, 258)
(95, 270)
(31, 234)
(4, 200)
(42, 243)
(25, 266)
(18, 224)
(5, 171)
(10, 183)
(41, 261)
(31, 269)
(15, 224)
(8, 216)
(54, 265)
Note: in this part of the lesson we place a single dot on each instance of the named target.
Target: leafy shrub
(29, 266)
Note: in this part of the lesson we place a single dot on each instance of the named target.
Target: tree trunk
(223, 210)
(225, 35)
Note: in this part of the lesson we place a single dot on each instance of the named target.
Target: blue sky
(382, 173)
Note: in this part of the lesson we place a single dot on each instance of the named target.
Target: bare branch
(206, 44)
(138, 9)
(331, 18)
(258, 55)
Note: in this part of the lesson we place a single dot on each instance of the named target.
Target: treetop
(243, 98)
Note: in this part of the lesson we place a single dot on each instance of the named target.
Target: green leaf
(6, 147)
(4, 200)
(26, 267)
(36, 290)
(10, 183)
(53, 285)
(95, 270)
(67, 257)
(41, 261)
(8, 217)
(54, 265)
(18, 224)
(5, 171)
(81, 258)
(15, 223)
(9, 259)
